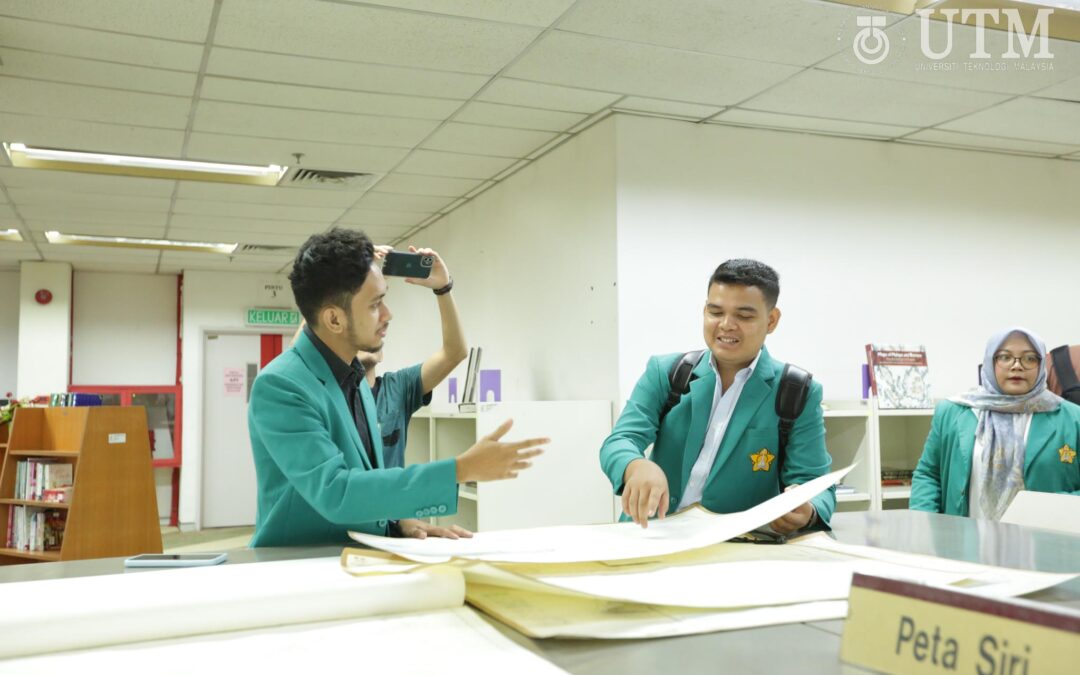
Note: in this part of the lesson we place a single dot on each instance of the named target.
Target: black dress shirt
(348, 376)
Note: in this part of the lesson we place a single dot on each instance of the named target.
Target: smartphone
(175, 560)
(399, 264)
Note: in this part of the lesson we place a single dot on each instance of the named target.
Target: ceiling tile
(307, 214)
(54, 99)
(426, 185)
(819, 93)
(955, 138)
(906, 61)
(67, 253)
(53, 68)
(6, 212)
(456, 165)
(778, 31)
(327, 100)
(227, 223)
(500, 115)
(92, 136)
(817, 124)
(342, 74)
(250, 120)
(100, 45)
(188, 21)
(645, 70)
(50, 214)
(370, 34)
(547, 96)
(69, 181)
(250, 194)
(335, 156)
(1068, 90)
(1036, 119)
(368, 218)
(386, 201)
(661, 107)
(24, 197)
(532, 13)
(484, 140)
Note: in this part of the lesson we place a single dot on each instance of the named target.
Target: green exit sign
(273, 317)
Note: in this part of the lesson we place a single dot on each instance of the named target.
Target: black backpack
(1066, 374)
(790, 397)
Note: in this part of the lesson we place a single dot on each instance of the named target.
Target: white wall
(212, 301)
(533, 262)
(874, 242)
(44, 330)
(124, 329)
(9, 331)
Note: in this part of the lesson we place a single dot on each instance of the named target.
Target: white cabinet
(878, 440)
(564, 486)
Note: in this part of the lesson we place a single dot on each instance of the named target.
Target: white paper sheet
(452, 641)
(80, 612)
(691, 529)
(543, 615)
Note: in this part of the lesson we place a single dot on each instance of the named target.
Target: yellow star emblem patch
(1067, 454)
(762, 460)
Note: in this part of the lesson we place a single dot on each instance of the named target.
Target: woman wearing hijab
(1008, 434)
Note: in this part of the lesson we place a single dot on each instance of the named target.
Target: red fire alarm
(43, 296)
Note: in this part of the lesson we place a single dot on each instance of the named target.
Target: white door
(229, 491)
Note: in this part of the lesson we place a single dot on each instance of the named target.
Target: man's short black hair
(746, 272)
(329, 269)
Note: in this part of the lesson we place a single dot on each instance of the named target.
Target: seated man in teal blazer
(717, 446)
(314, 432)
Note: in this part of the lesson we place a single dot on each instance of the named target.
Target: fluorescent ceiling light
(10, 235)
(134, 242)
(1073, 5)
(23, 156)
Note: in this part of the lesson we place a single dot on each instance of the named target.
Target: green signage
(273, 317)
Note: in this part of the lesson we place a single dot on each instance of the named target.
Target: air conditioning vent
(323, 178)
(263, 248)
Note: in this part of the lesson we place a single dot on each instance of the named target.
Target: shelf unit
(534, 499)
(877, 439)
(113, 509)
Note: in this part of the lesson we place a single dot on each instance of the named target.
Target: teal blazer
(940, 482)
(732, 485)
(315, 482)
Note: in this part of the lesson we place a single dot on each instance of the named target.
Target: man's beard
(355, 342)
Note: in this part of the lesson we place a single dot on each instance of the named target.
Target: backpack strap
(790, 402)
(1066, 374)
(679, 380)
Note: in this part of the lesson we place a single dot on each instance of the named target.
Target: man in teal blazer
(718, 445)
(313, 424)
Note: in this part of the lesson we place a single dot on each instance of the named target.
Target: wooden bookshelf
(113, 508)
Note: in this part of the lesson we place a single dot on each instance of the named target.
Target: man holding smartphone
(400, 393)
(718, 445)
(314, 435)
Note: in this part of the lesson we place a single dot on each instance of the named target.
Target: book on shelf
(842, 489)
(899, 376)
(36, 475)
(35, 528)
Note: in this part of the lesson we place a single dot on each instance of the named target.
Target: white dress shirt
(723, 405)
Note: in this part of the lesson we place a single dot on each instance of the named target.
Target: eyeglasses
(1027, 361)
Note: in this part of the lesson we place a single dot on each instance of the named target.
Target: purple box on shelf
(452, 383)
(490, 386)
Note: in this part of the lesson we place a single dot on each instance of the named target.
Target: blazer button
(420, 514)
(382, 523)
(442, 508)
